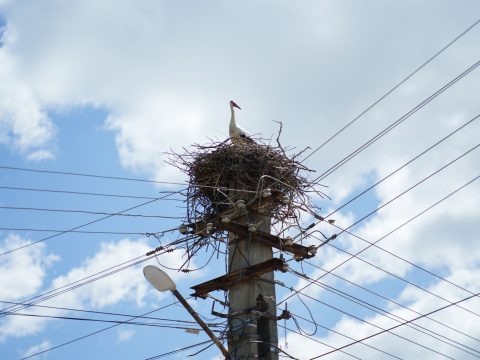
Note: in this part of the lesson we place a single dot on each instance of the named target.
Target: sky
(106, 88)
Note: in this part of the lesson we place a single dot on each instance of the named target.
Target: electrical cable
(86, 224)
(393, 89)
(339, 333)
(393, 301)
(409, 189)
(179, 350)
(86, 280)
(421, 213)
(399, 325)
(102, 313)
(74, 231)
(365, 321)
(396, 123)
(444, 339)
(69, 192)
(94, 332)
(404, 165)
(400, 258)
(89, 212)
(158, 325)
(318, 341)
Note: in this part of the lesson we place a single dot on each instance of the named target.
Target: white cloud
(303, 348)
(29, 265)
(37, 348)
(126, 285)
(124, 335)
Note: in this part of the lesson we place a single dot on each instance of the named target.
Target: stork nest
(219, 169)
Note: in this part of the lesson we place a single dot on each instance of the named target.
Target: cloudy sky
(105, 88)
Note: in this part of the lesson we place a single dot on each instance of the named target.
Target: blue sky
(107, 89)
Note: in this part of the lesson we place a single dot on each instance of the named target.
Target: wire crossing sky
(381, 99)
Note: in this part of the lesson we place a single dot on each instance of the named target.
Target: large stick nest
(218, 169)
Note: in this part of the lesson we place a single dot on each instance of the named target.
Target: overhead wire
(312, 321)
(401, 258)
(393, 89)
(89, 212)
(469, 122)
(393, 301)
(94, 332)
(396, 123)
(85, 280)
(74, 318)
(363, 320)
(85, 224)
(73, 231)
(394, 198)
(70, 192)
(173, 352)
(390, 315)
(408, 189)
(399, 325)
(96, 312)
(319, 341)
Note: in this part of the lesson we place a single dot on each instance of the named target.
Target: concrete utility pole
(250, 335)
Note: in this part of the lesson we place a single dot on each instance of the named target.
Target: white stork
(237, 134)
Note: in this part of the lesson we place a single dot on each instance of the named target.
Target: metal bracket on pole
(224, 282)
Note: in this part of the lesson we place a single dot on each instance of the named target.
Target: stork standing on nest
(237, 134)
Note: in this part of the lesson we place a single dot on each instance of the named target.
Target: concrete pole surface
(250, 336)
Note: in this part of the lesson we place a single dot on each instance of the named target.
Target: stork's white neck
(233, 124)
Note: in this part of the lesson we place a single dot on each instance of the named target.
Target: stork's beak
(235, 105)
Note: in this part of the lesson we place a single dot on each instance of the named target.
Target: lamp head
(159, 279)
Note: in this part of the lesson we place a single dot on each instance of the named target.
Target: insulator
(209, 227)
(267, 192)
(183, 229)
(312, 250)
(226, 219)
(241, 204)
(288, 241)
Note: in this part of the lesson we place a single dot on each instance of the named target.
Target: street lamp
(160, 280)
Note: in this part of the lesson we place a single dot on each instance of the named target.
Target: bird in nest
(237, 134)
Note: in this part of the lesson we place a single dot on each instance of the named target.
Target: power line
(70, 192)
(318, 341)
(399, 227)
(388, 234)
(404, 165)
(364, 321)
(89, 212)
(393, 172)
(399, 325)
(392, 89)
(391, 316)
(99, 312)
(87, 280)
(96, 332)
(179, 350)
(396, 123)
(73, 318)
(396, 197)
(89, 175)
(86, 224)
(335, 332)
(73, 231)
(410, 188)
(392, 301)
